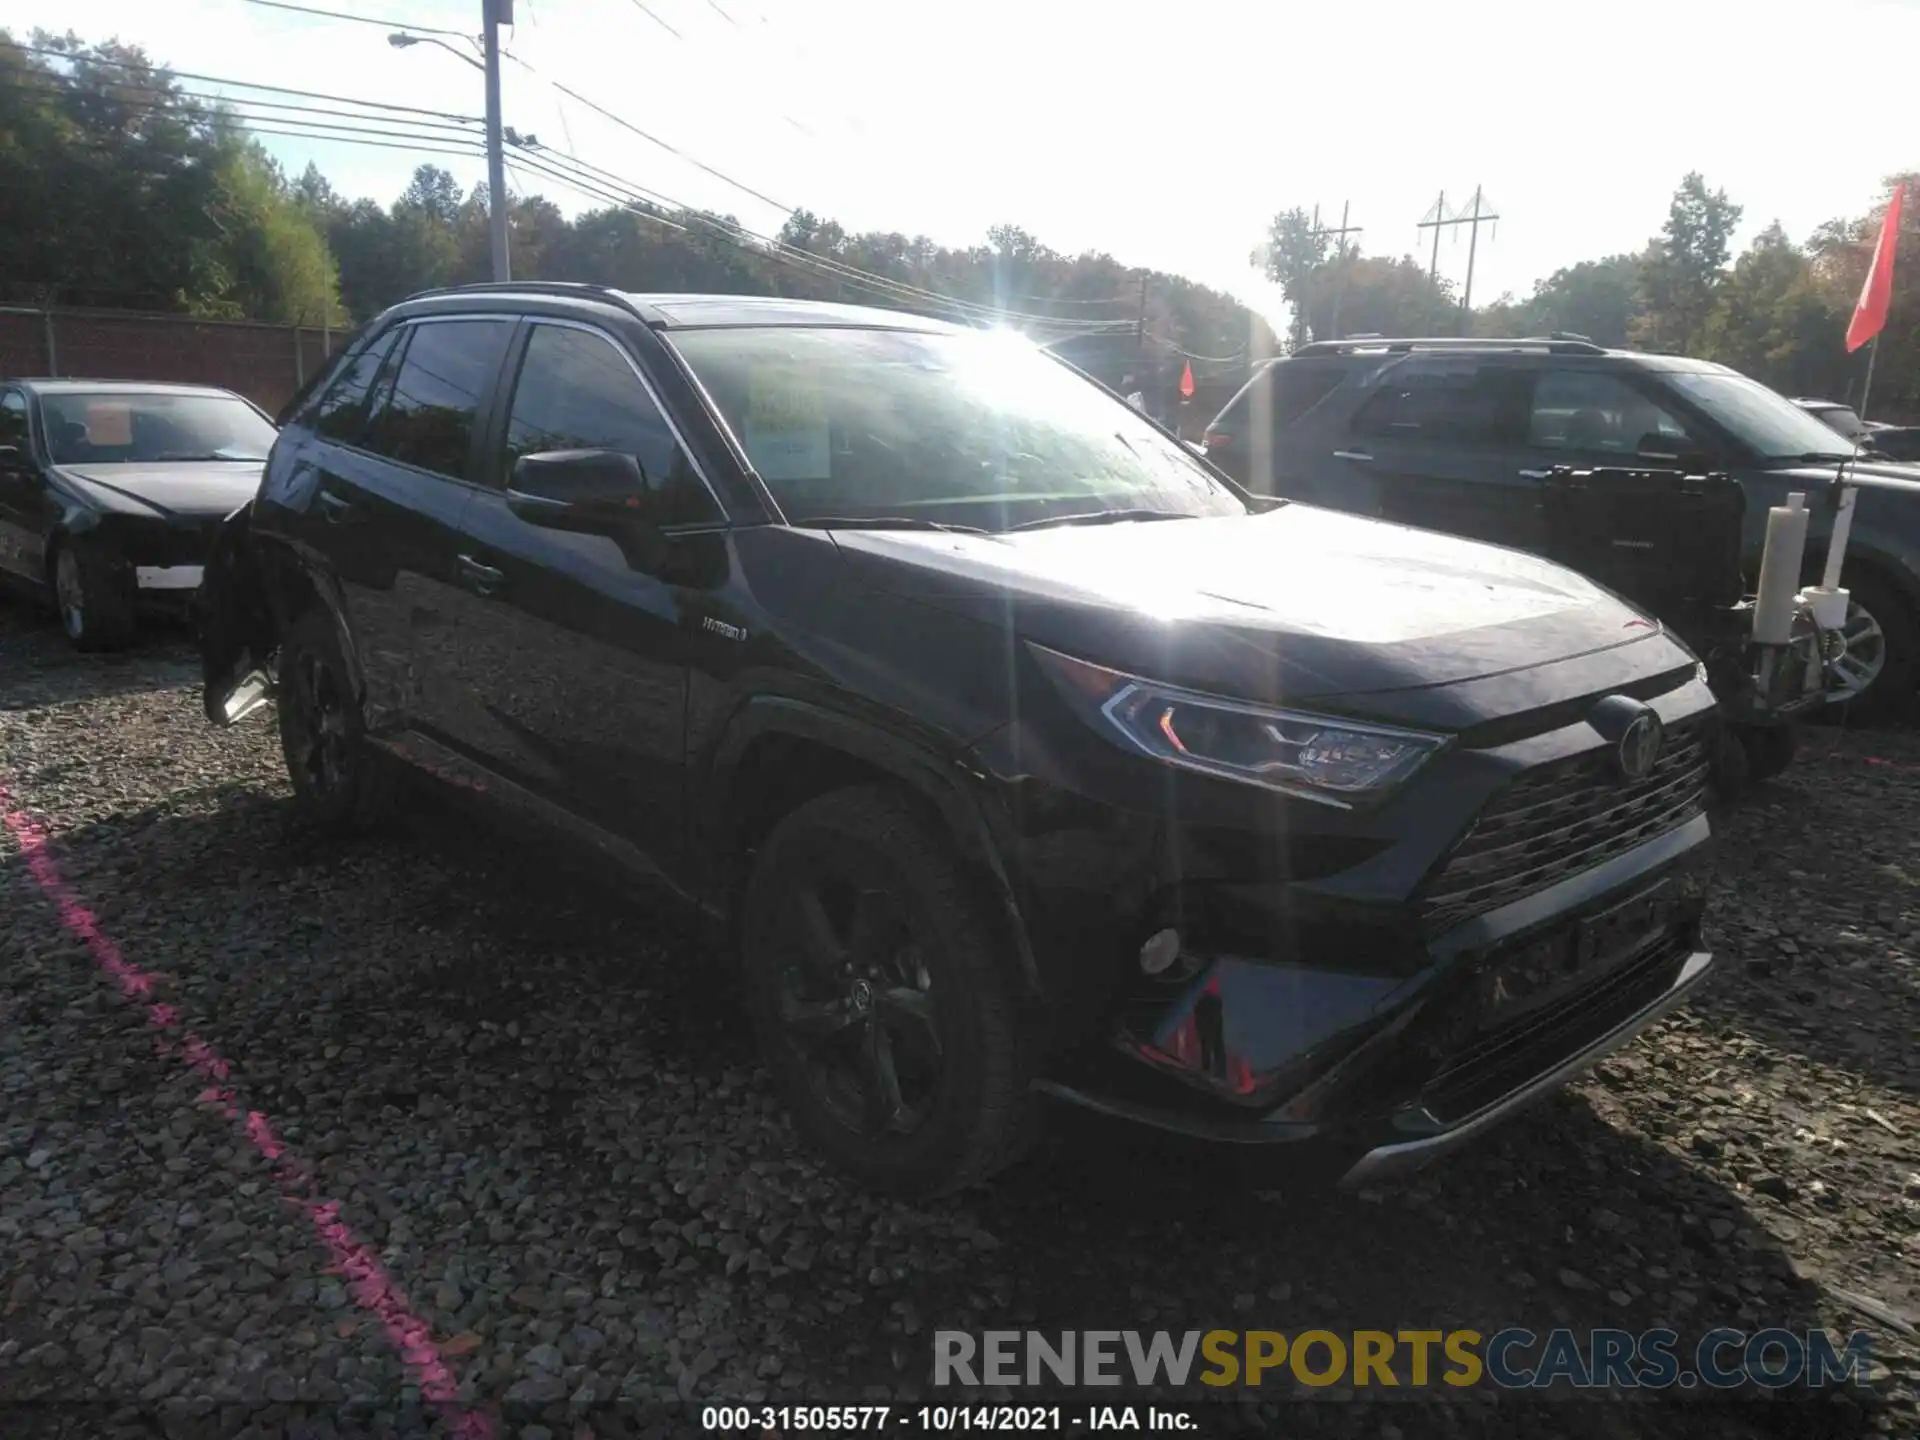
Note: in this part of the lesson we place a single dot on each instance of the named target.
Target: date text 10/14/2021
(947, 1419)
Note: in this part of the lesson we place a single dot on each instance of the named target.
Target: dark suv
(1459, 436)
(1014, 751)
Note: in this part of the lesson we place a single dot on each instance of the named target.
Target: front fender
(253, 586)
(944, 781)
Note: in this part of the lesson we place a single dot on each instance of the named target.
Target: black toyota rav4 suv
(1019, 755)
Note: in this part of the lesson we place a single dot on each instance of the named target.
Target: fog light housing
(1160, 951)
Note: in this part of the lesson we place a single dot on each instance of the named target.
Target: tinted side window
(426, 416)
(576, 391)
(1591, 410)
(342, 409)
(1287, 388)
(13, 420)
(1460, 403)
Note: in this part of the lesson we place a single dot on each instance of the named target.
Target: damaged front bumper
(1254, 1055)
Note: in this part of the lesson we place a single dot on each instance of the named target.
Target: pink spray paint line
(352, 1258)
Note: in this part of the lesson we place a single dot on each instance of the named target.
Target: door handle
(1536, 474)
(1359, 455)
(479, 578)
(338, 511)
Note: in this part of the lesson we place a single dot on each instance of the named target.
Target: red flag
(1871, 313)
(1186, 380)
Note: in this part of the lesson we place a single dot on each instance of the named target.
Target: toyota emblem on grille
(1640, 747)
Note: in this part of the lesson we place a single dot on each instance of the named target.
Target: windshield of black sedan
(108, 427)
(1773, 425)
(976, 429)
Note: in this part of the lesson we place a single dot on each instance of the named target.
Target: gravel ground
(509, 1144)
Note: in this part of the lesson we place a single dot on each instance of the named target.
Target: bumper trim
(167, 577)
(1388, 1161)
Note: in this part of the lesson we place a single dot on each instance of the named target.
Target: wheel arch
(777, 753)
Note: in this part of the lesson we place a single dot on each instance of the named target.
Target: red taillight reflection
(1216, 440)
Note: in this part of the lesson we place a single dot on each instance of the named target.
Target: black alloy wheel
(339, 783)
(882, 1006)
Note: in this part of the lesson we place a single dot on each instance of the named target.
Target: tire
(1729, 769)
(341, 784)
(92, 596)
(866, 955)
(1770, 749)
(1883, 652)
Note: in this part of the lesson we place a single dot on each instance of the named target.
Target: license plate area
(1571, 957)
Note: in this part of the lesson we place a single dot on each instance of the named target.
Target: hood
(1293, 603)
(175, 489)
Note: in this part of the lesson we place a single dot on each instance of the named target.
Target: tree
(1594, 298)
(1680, 268)
(1294, 253)
(1333, 290)
(1775, 319)
(117, 189)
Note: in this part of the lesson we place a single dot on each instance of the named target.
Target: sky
(1112, 125)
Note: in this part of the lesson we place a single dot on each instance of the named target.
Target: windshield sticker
(786, 431)
(109, 424)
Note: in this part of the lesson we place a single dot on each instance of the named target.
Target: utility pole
(1435, 218)
(1340, 253)
(497, 13)
(1140, 325)
(1438, 219)
(1473, 247)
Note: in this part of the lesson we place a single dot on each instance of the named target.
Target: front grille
(1499, 1063)
(1564, 817)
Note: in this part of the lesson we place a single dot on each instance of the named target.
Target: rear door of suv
(1435, 441)
(376, 487)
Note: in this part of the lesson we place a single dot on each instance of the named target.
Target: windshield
(109, 427)
(977, 429)
(1773, 425)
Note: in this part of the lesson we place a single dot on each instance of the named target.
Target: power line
(415, 147)
(359, 19)
(165, 74)
(50, 85)
(520, 162)
(647, 11)
(698, 164)
(773, 248)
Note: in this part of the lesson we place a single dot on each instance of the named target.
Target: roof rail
(1554, 345)
(537, 287)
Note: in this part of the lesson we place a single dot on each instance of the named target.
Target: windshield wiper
(1098, 517)
(1815, 457)
(883, 522)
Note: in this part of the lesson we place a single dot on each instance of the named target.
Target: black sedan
(110, 493)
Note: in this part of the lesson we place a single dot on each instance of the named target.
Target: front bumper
(1393, 1009)
(1403, 1157)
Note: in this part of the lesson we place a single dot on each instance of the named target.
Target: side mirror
(589, 492)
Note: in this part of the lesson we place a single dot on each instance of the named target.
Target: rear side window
(576, 391)
(342, 411)
(1590, 410)
(1285, 390)
(1457, 403)
(426, 415)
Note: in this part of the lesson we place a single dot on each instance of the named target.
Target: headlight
(1315, 757)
